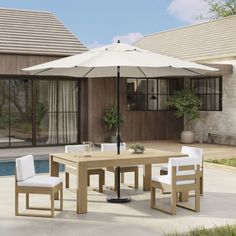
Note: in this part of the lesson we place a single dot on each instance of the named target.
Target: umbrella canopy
(133, 62)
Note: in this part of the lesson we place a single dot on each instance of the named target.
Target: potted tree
(187, 105)
(110, 121)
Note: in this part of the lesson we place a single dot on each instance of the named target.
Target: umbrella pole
(118, 198)
(118, 128)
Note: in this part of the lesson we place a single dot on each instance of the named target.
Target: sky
(100, 22)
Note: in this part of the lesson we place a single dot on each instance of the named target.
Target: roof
(35, 32)
(209, 40)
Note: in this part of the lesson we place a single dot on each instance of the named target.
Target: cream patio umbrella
(115, 61)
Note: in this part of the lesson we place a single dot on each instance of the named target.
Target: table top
(93, 157)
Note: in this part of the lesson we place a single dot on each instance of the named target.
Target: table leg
(82, 194)
(147, 175)
(54, 171)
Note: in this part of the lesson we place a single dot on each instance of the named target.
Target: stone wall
(222, 124)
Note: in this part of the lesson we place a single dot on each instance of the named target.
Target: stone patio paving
(210, 150)
(217, 206)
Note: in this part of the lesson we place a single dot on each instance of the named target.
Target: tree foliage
(186, 104)
(220, 8)
(110, 118)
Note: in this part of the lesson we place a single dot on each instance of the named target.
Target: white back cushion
(25, 167)
(112, 146)
(76, 148)
(192, 152)
(183, 161)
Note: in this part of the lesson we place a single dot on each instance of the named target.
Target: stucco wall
(222, 123)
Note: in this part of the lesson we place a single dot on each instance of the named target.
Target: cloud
(95, 44)
(129, 38)
(188, 10)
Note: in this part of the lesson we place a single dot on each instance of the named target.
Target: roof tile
(34, 32)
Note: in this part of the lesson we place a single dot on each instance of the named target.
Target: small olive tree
(110, 118)
(186, 104)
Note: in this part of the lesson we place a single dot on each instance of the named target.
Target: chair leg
(184, 196)
(88, 180)
(122, 179)
(67, 179)
(61, 199)
(27, 200)
(153, 197)
(101, 181)
(177, 197)
(197, 200)
(104, 176)
(16, 204)
(201, 185)
(52, 203)
(173, 203)
(136, 179)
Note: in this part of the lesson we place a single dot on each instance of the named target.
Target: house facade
(39, 111)
(212, 43)
(36, 110)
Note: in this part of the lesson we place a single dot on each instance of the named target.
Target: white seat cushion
(162, 179)
(165, 179)
(40, 181)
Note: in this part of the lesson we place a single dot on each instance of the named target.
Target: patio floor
(210, 150)
(217, 206)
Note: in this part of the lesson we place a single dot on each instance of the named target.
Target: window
(15, 112)
(150, 94)
(56, 112)
(38, 112)
(209, 90)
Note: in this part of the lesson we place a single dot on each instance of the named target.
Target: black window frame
(205, 95)
(33, 82)
(178, 83)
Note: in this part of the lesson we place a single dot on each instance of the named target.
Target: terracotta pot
(187, 137)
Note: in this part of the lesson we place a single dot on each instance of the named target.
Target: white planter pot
(187, 137)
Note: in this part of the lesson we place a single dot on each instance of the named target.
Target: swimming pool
(41, 166)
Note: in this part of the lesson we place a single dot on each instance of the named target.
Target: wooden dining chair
(72, 170)
(29, 183)
(192, 152)
(123, 170)
(178, 180)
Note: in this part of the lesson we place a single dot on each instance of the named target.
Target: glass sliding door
(36, 112)
(67, 111)
(4, 113)
(20, 112)
(56, 112)
(42, 111)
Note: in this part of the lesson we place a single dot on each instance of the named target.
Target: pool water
(41, 166)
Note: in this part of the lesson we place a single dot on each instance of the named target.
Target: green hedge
(229, 230)
(227, 162)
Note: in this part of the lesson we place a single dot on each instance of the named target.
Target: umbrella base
(115, 199)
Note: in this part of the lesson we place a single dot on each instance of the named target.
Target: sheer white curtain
(65, 103)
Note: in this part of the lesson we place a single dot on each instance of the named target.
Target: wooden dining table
(97, 159)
